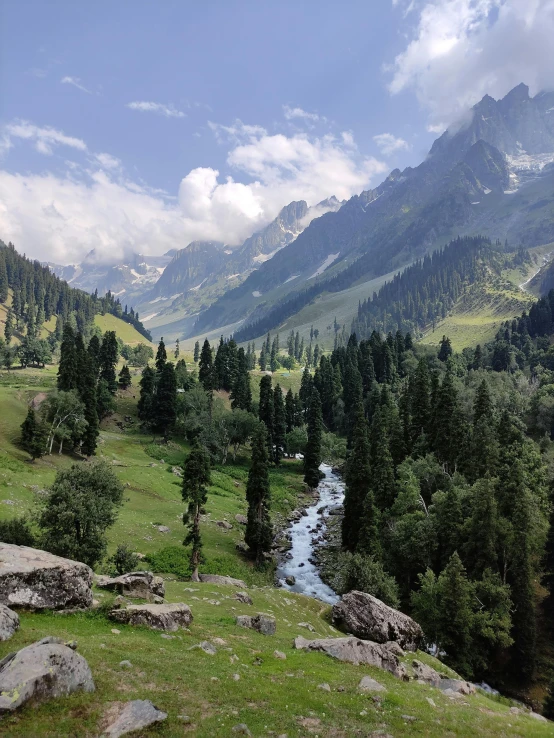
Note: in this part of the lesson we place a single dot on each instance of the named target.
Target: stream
(308, 581)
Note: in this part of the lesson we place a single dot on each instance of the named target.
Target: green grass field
(125, 331)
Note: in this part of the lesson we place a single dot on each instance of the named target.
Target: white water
(308, 581)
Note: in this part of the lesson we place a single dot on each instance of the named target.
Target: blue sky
(122, 122)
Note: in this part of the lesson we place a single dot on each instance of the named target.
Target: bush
(364, 573)
(17, 531)
(124, 560)
(171, 560)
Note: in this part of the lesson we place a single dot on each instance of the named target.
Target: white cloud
(388, 144)
(44, 138)
(62, 217)
(460, 50)
(291, 113)
(76, 82)
(169, 111)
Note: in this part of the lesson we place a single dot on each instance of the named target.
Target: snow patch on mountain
(327, 263)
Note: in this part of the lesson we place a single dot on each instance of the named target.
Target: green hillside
(125, 331)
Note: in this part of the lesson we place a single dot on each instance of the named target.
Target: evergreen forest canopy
(414, 299)
(38, 295)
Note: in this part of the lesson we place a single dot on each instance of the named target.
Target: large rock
(264, 624)
(132, 716)
(141, 585)
(40, 672)
(39, 580)
(367, 617)
(217, 579)
(9, 623)
(425, 673)
(159, 617)
(355, 651)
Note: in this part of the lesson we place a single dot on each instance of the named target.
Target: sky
(140, 126)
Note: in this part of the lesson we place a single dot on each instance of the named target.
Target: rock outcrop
(40, 672)
(264, 624)
(135, 585)
(37, 580)
(427, 674)
(368, 618)
(217, 579)
(168, 617)
(355, 651)
(132, 716)
(9, 623)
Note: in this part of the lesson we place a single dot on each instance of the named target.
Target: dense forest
(38, 295)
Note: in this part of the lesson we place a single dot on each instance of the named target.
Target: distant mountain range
(492, 174)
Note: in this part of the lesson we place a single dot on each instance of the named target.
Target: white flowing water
(306, 574)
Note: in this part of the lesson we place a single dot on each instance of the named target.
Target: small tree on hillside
(124, 378)
(259, 533)
(196, 478)
(81, 505)
(196, 352)
(312, 457)
(34, 435)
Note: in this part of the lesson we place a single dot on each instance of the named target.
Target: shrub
(364, 573)
(124, 560)
(171, 560)
(17, 531)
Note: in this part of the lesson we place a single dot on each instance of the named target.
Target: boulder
(367, 684)
(9, 623)
(427, 674)
(40, 672)
(241, 519)
(243, 597)
(168, 617)
(136, 585)
(264, 624)
(224, 524)
(355, 651)
(368, 618)
(217, 579)
(132, 716)
(290, 580)
(39, 580)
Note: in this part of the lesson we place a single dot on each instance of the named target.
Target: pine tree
(357, 478)
(290, 411)
(67, 370)
(124, 377)
(312, 456)
(456, 616)
(205, 367)
(196, 352)
(3, 281)
(445, 350)
(109, 354)
(9, 327)
(446, 442)
(161, 357)
(89, 399)
(147, 390)
(241, 392)
(165, 401)
(263, 359)
(420, 401)
(34, 435)
(196, 479)
(177, 349)
(381, 462)
(548, 704)
(279, 425)
(306, 385)
(481, 544)
(482, 407)
(266, 411)
(259, 534)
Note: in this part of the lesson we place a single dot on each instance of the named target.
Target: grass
(125, 331)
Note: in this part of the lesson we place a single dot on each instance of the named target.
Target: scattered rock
(337, 510)
(308, 626)
(536, 716)
(177, 471)
(224, 524)
(290, 580)
(241, 546)
(207, 647)
(280, 655)
(9, 623)
(264, 624)
(431, 701)
(134, 716)
(39, 580)
(162, 528)
(243, 597)
(135, 585)
(241, 729)
(355, 651)
(115, 631)
(325, 687)
(126, 664)
(408, 718)
(184, 719)
(159, 617)
(367, 617)
(236, 677)
(426, 673)
(220, 642)
(241, 519)
(367, 684)
(217, 579)
(457, 685)
(40, 672)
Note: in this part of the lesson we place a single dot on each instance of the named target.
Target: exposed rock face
(159, 617)
(355, 651)
(134, 716)
(264, 624)
(217, 579)
(40, 672)
(9, 623)
(135, 585)
(367, 617)
(37, 579)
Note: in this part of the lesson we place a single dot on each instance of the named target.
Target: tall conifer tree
(259, 535)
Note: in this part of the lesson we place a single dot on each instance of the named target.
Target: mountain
(492, 174)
